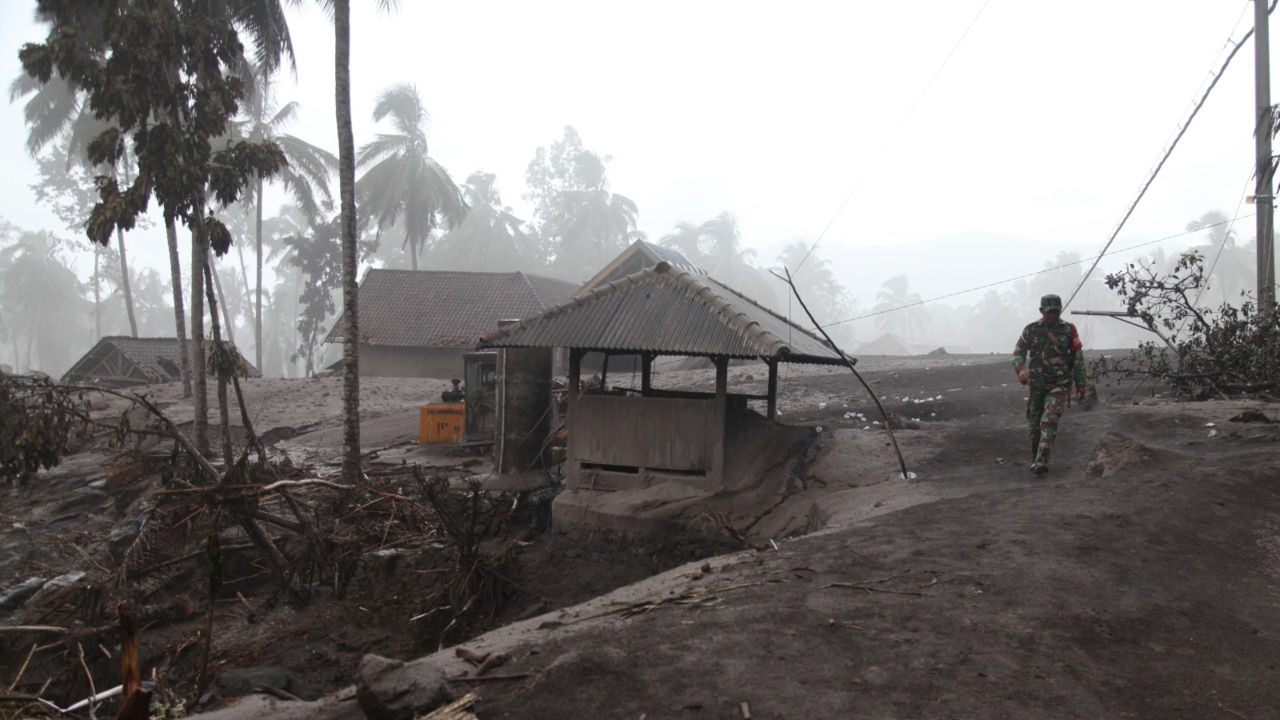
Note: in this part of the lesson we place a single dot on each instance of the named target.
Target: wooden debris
(484, 663)
(277, 693)
(870, 589)
(459, 709)
(491, 678)
(137, 701)
(32, 628)
(470, 656)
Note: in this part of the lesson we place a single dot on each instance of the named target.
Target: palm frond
(268, 30)
(381, 147)
(402, 104)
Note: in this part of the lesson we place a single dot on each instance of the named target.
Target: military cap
(1050, 302)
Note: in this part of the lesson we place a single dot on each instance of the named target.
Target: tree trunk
(347, 183)
(224, 412)
(179, 321)
(201, 391)
(257, 300)
(413, 254)
(128, 291)
(222, 298)
(297, 292)
(97, 293)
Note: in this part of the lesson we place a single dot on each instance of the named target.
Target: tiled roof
(668, 311)
(407, 308)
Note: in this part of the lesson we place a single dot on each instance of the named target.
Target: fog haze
(961, 143)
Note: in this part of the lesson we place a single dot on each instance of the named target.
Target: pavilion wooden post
(575, 380)
(772, 413)
(721, 419)
(571, 399)
(646, 373)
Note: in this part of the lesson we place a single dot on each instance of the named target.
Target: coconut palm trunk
(257, 284)
(224, 412)
(347, 192)
(200, 389)
(124, 284)
(97, 292)
(222, 298)
(179, 320)
(124, 273)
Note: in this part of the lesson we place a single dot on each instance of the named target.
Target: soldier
(1048, 358)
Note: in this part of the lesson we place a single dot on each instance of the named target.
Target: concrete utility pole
(1264, 189)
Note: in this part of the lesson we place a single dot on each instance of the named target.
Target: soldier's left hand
(1080, 393)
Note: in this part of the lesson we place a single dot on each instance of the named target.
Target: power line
(883, 146)
(1033, 274)
(1160, 165)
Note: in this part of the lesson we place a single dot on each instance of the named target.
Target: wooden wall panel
(655, 433)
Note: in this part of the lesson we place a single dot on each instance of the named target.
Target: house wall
(381, 361)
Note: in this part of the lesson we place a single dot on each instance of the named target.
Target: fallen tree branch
(849, 364)
(871, 589)
(32, 628)
(491, 678)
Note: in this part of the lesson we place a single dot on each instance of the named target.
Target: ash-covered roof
(407, 308)
(121, 361)
(640, 255)
(668, 311)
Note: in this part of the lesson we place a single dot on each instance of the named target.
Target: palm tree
(341, 13)
(729, 261)
(305, 177)
(41, 297)
(402, 182)
(347, 221)
(811, 273)
(899, 307)
(686, 238)
(1230, 266)
(490, 237)
(58, 110)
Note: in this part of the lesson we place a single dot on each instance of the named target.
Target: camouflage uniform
(1051, 354)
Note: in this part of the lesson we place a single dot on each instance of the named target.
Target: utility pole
(1264, 189)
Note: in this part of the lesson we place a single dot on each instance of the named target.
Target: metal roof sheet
(667, 311)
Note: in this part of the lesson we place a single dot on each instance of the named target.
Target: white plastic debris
(822, 406)
(1209, 424)
(909, 476)
(1213, 433)
(818, 429)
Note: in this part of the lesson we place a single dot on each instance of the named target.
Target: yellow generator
(470, 422)
(442, 423)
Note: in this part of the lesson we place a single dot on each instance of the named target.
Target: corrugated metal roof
(667, 311)
(424, 308)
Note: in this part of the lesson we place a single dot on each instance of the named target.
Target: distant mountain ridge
(936, 267)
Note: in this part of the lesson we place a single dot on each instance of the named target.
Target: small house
(419, 323)
(126, 361)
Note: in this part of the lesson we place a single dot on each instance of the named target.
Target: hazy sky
(1043, 122)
